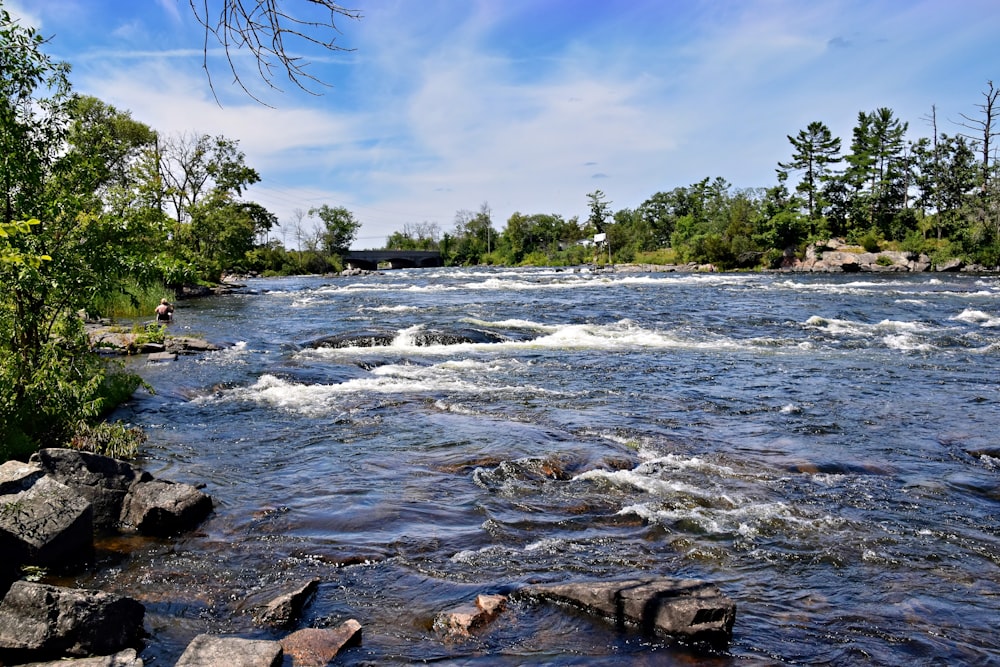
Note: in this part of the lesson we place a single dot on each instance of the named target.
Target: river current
(821, 447)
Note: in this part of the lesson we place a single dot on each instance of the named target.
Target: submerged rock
(687, 609)
(285, 608)
(214, 651)
(421, 338)
(461, 621)
(41, 622)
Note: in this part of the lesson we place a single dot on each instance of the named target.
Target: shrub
(109, 439)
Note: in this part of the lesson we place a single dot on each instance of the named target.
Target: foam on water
(972, 316)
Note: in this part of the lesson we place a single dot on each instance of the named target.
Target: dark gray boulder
(213, 651)
(41, 622)
(162, 508)
(102, 480)
(685, 609)
(42, 521)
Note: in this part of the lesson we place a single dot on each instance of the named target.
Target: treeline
(937, 195)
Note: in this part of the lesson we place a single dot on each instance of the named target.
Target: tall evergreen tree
(816, 149)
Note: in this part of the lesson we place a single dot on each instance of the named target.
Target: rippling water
(818, 446)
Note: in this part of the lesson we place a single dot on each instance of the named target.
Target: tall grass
(131, 301)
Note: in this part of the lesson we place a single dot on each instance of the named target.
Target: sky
(442, 106)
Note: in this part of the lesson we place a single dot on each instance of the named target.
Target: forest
(103, 215)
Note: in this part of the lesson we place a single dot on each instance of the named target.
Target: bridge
(370, 260)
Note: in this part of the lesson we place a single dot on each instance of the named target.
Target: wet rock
(42, 521)
(188, 344)
(41, 622)
(213, 651)
(162, 356)
(688, 609)
(316, 647)
(950, 265)
(461, 621)
(126, 658)
(285, 608)
(102, 480)
(160, 507)
(992, 452)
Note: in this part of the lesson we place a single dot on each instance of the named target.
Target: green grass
(133, 300)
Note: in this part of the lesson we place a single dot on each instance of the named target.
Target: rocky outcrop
(687, 609)
(836, 256)
(40, 622)
(51, 507)
(212, 651)
(102, 480)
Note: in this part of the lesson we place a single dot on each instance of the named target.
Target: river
(812, 444)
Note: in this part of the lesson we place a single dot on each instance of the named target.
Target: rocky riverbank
(52, 507)
(832, 256)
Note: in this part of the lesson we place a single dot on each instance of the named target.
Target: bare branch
(269, 32)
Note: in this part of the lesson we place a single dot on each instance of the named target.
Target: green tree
(339, 229)
(877, 171)
(49, 381)
(816, 149)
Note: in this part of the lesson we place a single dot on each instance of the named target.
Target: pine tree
(816, 149)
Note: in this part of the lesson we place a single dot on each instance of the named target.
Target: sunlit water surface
(817, 446)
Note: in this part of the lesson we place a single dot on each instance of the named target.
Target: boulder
(176, 344)
(102, 480)
(41, 622)
(213, 651)
(159, 507)
(42, 521)
(950, 265)
(126, 658)
(316, 647)
(462, 620)
(686, 609)
(837, 261)
(285, 608)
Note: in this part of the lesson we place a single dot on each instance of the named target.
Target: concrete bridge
(370, 260)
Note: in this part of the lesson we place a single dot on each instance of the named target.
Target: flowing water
(823, 448)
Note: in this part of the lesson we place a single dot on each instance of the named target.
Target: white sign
(600, 238)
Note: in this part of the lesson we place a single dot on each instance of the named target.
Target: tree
(339, 228)
(62, 247)
(415, 236)
(985, 129)
(473, 237)
(192, 166)
(877, 169)
(272, 34)
(600, 210)
(815, 150)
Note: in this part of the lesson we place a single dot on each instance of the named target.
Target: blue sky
(529, 105)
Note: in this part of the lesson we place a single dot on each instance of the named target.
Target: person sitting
(164, 312)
